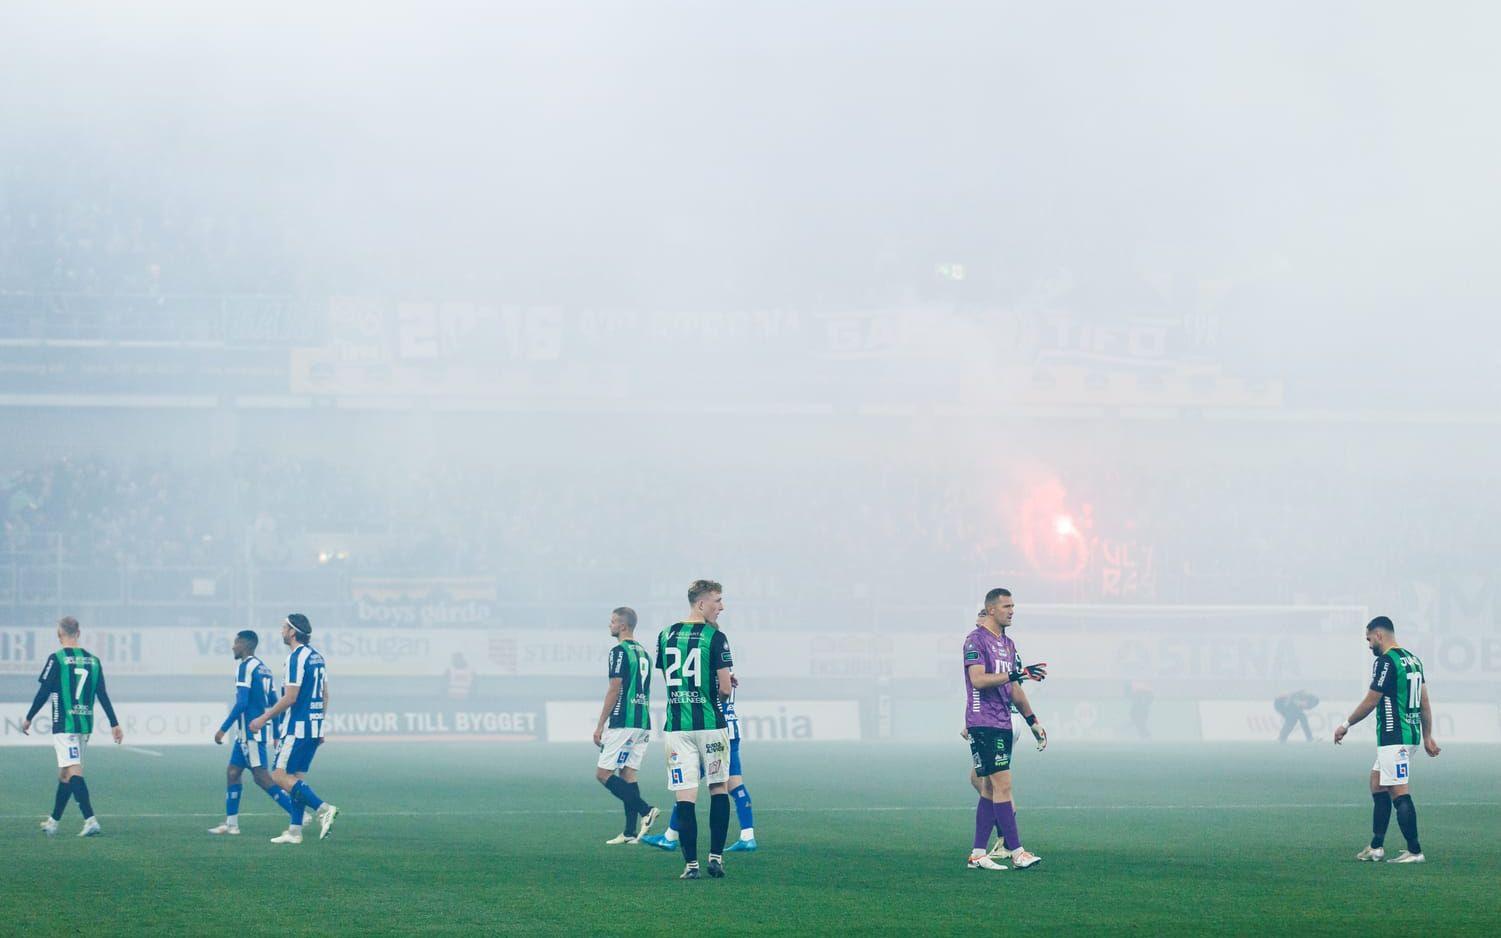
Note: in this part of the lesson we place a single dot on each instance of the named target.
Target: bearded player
(1404, 718)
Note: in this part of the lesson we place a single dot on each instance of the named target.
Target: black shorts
(991, 748)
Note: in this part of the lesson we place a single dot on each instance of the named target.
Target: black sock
(642, 808)
(688, 830)
(1381, 817)
(619, 788)
(60, 803)
(632, 821)
(81, 795)
(1407, 820)
(719, 822)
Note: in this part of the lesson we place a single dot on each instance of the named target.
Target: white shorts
(696, 754)
(1391, 762)
(69, 748)
(623, 748)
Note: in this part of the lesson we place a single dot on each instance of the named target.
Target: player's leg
(742, 799)
(1303, 722)
(645, 814)
(260, 757)
(302, 793)
(982, 741)
(716, 749)
(1381, 818)
(78, 787)
(684, 768)
(62, 747)
(1003, 809)
(232, 789)
(1407, 813)
(286, 781)
(615, 751)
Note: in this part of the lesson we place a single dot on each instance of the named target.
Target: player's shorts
(250, 754)
(696, 754)
(623, 748)
(296, 755)
(735, 756)
(69, 747)
(991, 748)
(1391, 762)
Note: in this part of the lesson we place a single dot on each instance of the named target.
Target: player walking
(1400, 695)
(992, 677)
(255, 693)
(624, 727)
(694, 658)
(305, 700)
(71, 680)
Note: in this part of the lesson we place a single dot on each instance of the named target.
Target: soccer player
(255, 693)
(71, 680)
(1400, 693)
(738, 792)
(993, 674)
(694, 658)
(624, 726)
(305, 700)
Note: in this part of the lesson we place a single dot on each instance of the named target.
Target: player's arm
(288, 698)
(981, 678)
(242, 700)
(1430, 745)
(101, 694)
(612, 694)
(1024, 707)
(724, 663)
(47, 685)
(1362, 710)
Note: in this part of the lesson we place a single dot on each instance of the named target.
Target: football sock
(617, 787)
(719, 823)
(743, 811)
(632, 819)
(304, 795)
(280, 797)
(671, 834)
(1005, 824)
(688, 830)
(984, 821)
(81, 795)
(60, 803)
(232, 803)
(641, 807)
(1407, 820)
(297, 814)
(1381, 817)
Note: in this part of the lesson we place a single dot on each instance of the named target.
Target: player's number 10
(676, 663)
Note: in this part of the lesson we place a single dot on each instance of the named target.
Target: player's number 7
(83, 678)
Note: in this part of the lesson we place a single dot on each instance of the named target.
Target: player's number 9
(678, 668)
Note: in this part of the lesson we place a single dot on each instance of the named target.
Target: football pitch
(856, 838)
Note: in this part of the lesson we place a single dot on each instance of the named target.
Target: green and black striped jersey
(629, 662)
(689, 654)
(1398, 675)
(71, 678)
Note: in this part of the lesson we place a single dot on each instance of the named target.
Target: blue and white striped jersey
(305, 670)
(731, 721)
(258, 682)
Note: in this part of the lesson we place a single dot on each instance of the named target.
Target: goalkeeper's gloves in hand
(1035, 672)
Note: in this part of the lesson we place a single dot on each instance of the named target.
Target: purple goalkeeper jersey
(989, 706)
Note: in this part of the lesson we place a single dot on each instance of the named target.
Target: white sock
(295, 828)
(977, 852)
(748, 833)
(232, 820)
(671, 835)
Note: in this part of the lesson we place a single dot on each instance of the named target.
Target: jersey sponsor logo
(1401, 769)
(714, 766)
(971, 655)
(677, 776)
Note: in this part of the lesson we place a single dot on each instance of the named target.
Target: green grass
(1223, 839)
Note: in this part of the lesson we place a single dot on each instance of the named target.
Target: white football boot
(619, 839)
(1407, 857)
(1371, 854)
(646, 822)
(326, 814)
(979, 861)
(225, 829)
(49, 826)
(287, 837)
(1021, 859)
(90, 828)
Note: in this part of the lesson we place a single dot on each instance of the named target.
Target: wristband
(1031, 719)
(1345, 726)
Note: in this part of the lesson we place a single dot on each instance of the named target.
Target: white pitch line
(878, 809)
(144, 752)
